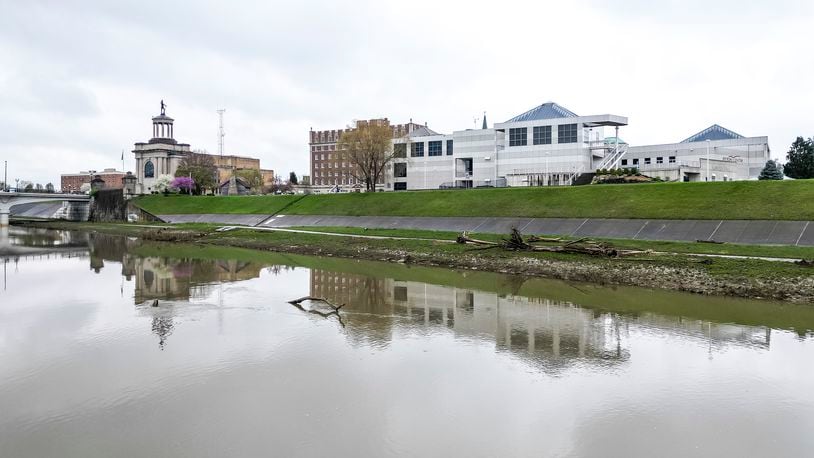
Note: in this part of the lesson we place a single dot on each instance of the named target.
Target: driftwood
(335, 312)
(516, 242)
(805, 263)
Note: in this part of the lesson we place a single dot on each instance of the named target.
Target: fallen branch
(298, 302)
(515, 242)
(535, 239)
(464, 238)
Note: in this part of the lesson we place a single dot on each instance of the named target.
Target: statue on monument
(163, 107)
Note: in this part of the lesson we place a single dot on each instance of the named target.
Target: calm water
(424, 362)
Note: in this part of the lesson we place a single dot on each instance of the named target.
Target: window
(635, 162)
(647, 161)
(400, 293)
(542, 135)
(449, 147)
(624, 161)
(567, 133)
(149, 170)
(672, 159)
(417, 149)
(400, 186)
(517, 136)
(400, 150)
(400, 170)
(434, 149)
(659, 160)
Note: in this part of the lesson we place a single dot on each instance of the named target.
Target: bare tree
(368, 150)
(201, 168)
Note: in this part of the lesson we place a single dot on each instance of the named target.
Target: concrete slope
(36, 210)
(799, 233)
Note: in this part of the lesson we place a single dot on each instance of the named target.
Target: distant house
(239, 187)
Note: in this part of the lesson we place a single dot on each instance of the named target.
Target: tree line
(799, 162)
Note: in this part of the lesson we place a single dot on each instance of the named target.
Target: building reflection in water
(551, 335)
(170, 279)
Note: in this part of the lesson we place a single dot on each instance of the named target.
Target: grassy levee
(193, 205)
(770, 200)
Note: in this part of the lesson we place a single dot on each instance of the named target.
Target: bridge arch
(11, 199)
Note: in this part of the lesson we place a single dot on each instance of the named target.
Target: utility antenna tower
(221, 133)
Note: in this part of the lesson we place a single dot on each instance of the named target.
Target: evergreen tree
(292, 178)
(800, 159)
(771, 172)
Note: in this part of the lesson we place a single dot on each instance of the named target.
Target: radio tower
(221, 133)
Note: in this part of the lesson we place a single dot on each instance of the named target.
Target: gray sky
(79, 80)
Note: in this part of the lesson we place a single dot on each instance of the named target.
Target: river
(420, 362)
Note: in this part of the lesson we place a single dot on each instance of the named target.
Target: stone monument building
(159, 156)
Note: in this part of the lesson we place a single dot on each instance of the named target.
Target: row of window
(323, 148)
(541, 135)
(332, 181)
(330, 174)
(434, 148)
(327, 165)
(647, 161)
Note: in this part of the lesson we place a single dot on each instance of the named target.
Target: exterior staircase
(612, 158)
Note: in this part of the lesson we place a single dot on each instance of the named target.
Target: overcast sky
(80, 80)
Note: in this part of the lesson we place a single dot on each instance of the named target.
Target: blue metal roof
(548, 110)
(713, 132)
(423, 131)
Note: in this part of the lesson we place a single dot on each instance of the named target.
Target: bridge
(10, 199)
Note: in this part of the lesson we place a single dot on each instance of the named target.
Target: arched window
(149, 169)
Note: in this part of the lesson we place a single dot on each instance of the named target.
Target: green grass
(344, 246)
(179, 204)
(768, 251)
(772, 200)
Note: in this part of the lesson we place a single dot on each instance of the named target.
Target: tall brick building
(328, 171)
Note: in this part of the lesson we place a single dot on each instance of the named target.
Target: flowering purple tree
(184, 184)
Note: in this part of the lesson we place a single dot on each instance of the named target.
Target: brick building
(328, 171)
(71, 182)
(225, 165)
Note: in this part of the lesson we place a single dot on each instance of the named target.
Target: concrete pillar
(4, 213)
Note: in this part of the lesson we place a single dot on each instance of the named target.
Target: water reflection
(552, 335)
(226, 367)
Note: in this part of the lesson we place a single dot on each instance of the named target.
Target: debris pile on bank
(516, 242)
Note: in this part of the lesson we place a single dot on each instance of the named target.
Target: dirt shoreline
(648, 273)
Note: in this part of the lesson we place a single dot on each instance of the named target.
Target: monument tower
(160, 155)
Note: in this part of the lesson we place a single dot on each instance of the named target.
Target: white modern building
(551, 145)
(547, 145)
(714, 154)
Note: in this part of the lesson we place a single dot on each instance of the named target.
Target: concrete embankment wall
(799, 233)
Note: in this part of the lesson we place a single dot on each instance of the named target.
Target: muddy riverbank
(749, 278)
